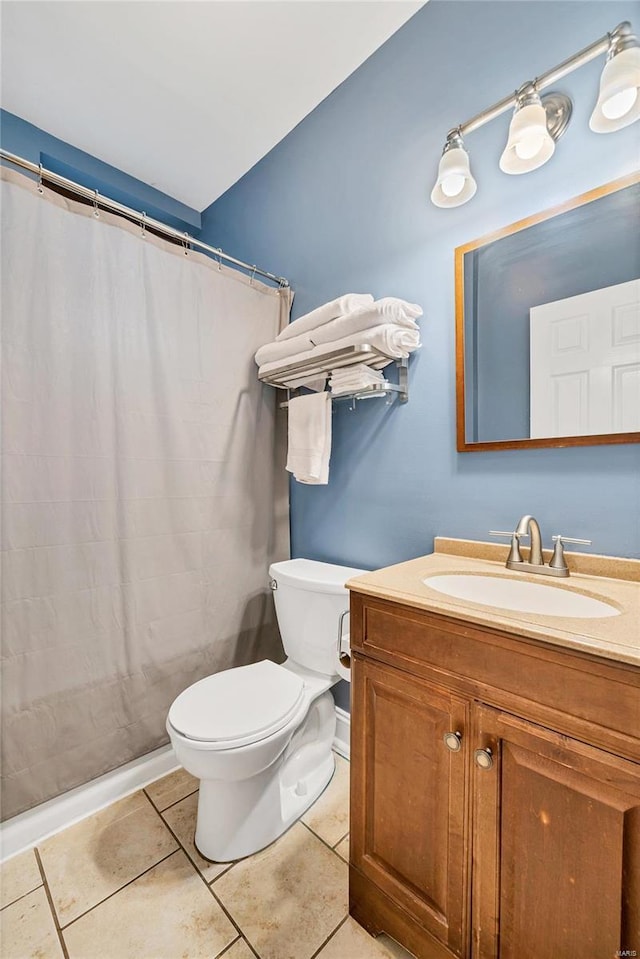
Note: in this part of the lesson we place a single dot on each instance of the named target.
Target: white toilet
(259, 737)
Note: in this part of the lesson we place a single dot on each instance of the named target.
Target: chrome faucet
(528, 526)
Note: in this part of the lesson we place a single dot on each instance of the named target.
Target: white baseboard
(342, 742)
(31, 827)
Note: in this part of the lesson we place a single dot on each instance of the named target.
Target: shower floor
(128, 883)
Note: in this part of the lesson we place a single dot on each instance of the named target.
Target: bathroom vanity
(495, 763)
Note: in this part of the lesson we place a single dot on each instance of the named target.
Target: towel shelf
(292, 375)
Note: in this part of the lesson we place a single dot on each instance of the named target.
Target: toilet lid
(243, 704)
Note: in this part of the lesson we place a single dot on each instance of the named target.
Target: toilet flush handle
(343, 658)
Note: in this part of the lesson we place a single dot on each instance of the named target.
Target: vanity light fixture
(534, 129)
(539, 121)
(455, 184)
(619, 99)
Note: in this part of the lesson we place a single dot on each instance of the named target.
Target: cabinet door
(408, 820)
(556, 847)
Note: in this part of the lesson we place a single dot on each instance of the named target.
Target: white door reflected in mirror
(585, 363)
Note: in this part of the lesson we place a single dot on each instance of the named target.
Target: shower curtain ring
(185, 244)
(143, 224)
(96, 211)
(253, 273)
(219, 259)
(40, 187)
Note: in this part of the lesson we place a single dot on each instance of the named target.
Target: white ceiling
(186, 95)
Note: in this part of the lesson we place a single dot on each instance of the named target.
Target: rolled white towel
(387, 310)
(392, 340)
(383, 311)
(323, 314)
(279, 351)
(389, 306)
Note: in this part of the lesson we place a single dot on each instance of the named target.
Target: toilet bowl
(259, 738)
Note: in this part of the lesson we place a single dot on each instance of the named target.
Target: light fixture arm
(619, 37)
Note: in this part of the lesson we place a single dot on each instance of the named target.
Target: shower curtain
(143, 489)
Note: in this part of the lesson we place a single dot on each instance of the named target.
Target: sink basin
(523, 597)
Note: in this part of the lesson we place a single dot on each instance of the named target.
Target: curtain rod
(136, 215)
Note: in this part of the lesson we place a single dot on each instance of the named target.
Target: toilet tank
(309, 598)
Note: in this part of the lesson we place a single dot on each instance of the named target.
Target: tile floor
(127, 883)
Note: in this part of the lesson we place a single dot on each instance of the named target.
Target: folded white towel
(388, 310)
(358, 381)
(347, 388)
(395, 341)
(323, 314)
(355, 371)
(310, 438)
(315, 383)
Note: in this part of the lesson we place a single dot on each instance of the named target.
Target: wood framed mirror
(548, 327)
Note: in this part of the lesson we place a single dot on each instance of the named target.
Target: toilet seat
(238, 706)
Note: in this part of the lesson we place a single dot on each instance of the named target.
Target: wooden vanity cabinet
(524, 842)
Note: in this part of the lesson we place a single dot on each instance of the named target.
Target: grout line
(18, 898)
(63, 944)
(235, 942)
(119, 889)
(323, 841)
(209, 886)
(227, 948)
(171, 804)
(330, 936)
(340, 840)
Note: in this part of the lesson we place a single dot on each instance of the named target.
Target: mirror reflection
(548, 314)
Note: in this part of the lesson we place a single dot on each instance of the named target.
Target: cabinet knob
(483, 758)
(452, 741)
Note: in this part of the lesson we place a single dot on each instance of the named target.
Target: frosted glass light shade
(455, 184)
(619, 99)
(530, 144)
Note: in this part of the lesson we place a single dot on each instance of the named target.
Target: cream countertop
(613, 637)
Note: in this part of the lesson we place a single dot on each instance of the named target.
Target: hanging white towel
(323, 314)
(310, 438)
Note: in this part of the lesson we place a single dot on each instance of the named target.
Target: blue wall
(24, 139)
(342, 204)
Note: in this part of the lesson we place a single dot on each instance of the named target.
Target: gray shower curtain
(142, 494)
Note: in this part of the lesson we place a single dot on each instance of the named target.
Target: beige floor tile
(288, 898)
(343, 849)
(27, 930)
(182, 820)
(165, 914)
(18, 876)
(329, 815)
(99, 855)
(239, 950)
(351, 941)
(175, 786)
(394, 948)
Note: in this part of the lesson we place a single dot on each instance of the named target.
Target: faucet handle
(569, 539)
(558, 561)
(515, 556)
